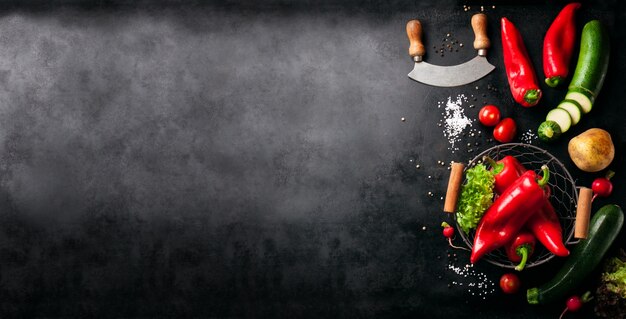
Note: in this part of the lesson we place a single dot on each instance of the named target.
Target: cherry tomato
(489, 115)
(448, 232)
(505, 131)
(510, 283)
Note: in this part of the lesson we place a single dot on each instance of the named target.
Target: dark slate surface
(242, 160)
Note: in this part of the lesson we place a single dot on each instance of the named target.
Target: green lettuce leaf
(615, 276)
(476, 196)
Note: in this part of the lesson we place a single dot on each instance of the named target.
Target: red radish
(448, 232)
(574, 303)
(510, 283)
(602, 186)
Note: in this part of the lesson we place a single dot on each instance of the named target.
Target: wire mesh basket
(564, 197)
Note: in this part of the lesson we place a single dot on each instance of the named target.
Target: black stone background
(243, 159)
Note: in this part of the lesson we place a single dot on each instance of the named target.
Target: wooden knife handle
(479, 25)
(583, 213)
(414, 32)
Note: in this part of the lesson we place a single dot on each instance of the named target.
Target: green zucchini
(604, 227)
(593, 60)
(588, 78)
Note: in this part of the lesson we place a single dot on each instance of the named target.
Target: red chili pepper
(522, 247)
(519, 68)
(508, 214)
(506, 171)
(544, 224)
(546, 227)
(558, 45)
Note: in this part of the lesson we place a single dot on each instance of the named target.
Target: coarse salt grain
(479, 284)
(528, 137)
(455, 121)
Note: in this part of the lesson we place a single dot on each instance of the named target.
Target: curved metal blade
(455, 75)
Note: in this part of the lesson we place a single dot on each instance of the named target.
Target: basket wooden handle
(583, 212)
(454, 185)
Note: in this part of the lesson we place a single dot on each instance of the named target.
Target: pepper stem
(497, 167)
(444, 224)
(609, 174)
(554, 81)
(546, 176)
(532, 96)
(523, 250)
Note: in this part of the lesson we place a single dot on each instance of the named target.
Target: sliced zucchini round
(583, 100)
(573, 109)
(561, 117)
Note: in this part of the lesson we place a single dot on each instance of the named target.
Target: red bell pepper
(508, 214)
(522, 247)
(519, 68)
(558, 45)
(506, 171)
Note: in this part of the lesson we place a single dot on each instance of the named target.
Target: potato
(592, 150)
